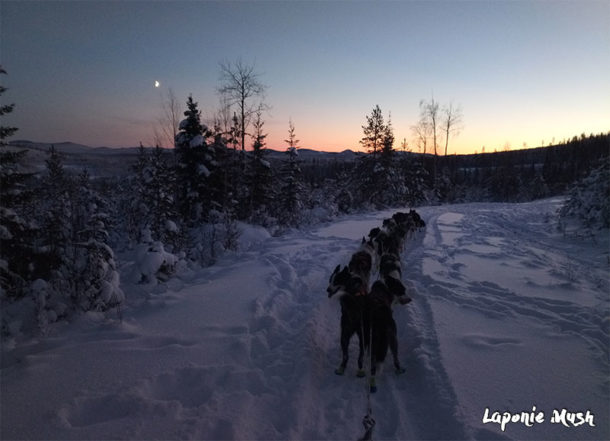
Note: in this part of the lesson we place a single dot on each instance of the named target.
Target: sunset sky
(522, 72)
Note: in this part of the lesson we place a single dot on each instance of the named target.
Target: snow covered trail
(507, 314)
(522, 315)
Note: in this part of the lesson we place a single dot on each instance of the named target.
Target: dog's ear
(395, 286)
(333, 274)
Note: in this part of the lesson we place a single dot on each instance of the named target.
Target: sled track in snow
(298, 327)
(426, 391)
(247, 349)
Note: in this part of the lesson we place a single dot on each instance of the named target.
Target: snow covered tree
(589, 200)
(5, 131)
(57, 212)
(377, 175)
(138, 211)
(97, 276)
(195, 163)
(292, 190)
(16, 232)
(260, 177)
(388, 173)
(414, 177)
(159, 198)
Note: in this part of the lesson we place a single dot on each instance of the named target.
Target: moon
(157, 83)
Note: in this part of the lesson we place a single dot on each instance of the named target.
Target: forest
(61, 228)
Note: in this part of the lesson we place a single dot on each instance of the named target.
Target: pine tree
(5, 109)
(160, 201)
(374, 176)
(387, 147)
(388, 173)
(138, 213)
(60, 221)
(57, 229)
(195, 163)
(374, 132)
(260, 174)
(589, 198)
(16, 233)
(292, 191)
(94, 268)
(414, 178)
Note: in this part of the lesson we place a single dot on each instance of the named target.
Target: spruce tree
(260, 175)
(16, 233)
(292, 191)
(159, 198)
(94, 268)
(57, 229)
(138, 213)
(60, 220)
(369, 172)
(194, 165)
(374, 132)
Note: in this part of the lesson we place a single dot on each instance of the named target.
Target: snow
(197, 141)
(507, 314)
(251, 236)
(151, 259)
(203, 170)
(171, 227)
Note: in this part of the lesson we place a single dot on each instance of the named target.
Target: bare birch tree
(451, 122)
(427, 128)
(167, 123)
(240, 85)
(421, 133)
(429, 112)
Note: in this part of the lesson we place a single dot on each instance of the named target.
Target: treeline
(506, 176)
(521, 175)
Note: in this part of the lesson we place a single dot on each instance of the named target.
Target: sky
(523, 73)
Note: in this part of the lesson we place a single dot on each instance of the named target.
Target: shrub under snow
(589, 199)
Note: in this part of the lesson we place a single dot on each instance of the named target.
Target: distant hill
(71, 148)
(108, 161)
(99, 161)
(310, 154)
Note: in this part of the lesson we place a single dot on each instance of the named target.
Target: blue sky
(523, 72)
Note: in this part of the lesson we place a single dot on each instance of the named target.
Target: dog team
(367, 312)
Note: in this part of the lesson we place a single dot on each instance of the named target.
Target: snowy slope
(507, 314)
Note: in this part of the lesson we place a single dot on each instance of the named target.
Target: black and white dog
(351, 284)
(390, 273)
(379, 325)
(411, 221)
(372, 248)
(361, 264)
